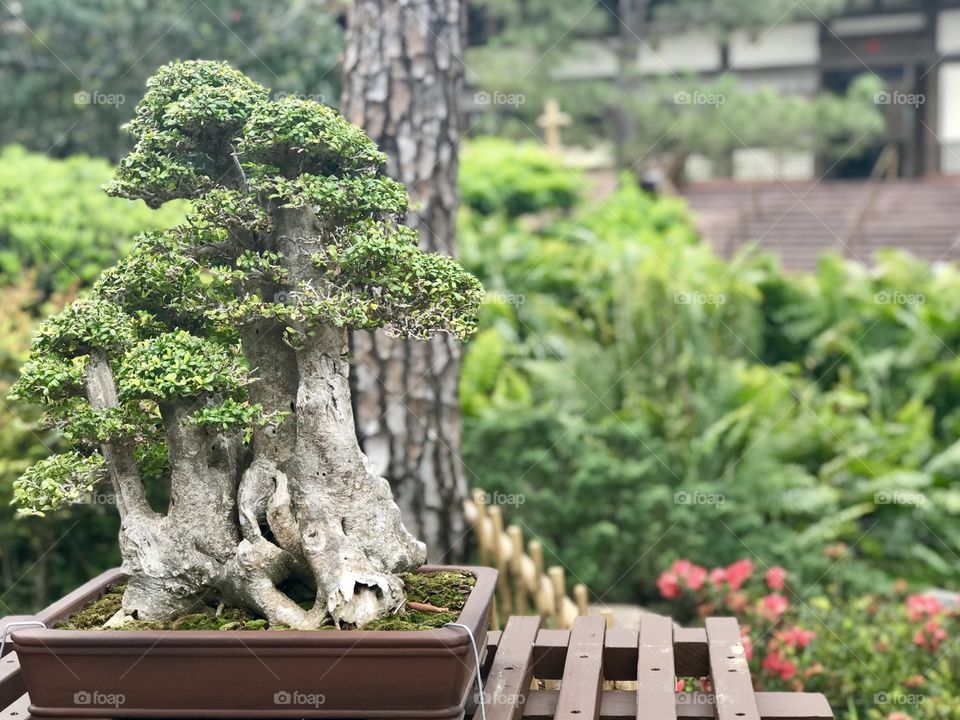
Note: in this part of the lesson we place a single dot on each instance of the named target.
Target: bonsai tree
(213, 358)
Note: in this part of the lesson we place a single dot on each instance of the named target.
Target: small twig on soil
(426, 607)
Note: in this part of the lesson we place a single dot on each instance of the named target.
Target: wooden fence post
(501, 558)
(481, 526)
(516, 570)
(582, 597)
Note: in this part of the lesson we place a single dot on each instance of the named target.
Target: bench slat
(729, 671)
(583, 672)
(619, 653)
(11, 681)
(622, 705)
(656, 691)
(508, 683)
(17, 710)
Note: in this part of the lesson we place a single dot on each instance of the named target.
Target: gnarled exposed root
(251, 579)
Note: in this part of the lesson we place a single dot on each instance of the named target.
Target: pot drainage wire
(27, 623)
(476, 657)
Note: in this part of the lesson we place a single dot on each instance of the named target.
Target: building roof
(799, 220)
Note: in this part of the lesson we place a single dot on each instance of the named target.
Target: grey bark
(403, 77)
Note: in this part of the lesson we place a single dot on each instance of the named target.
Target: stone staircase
(799, 220)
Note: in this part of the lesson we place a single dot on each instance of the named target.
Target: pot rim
(447, 638)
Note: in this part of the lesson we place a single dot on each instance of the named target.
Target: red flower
(738, 572)
(668, 585)
(919, 606)
(718, 576)
(796, 637)
(787, 669)
(772, 661)
(777, 664)
(682, 573)
(681, 685)
(696, 577)
(773, 606)
(931, 636)
(775, 577)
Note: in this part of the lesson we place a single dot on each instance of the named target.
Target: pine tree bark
(403, 77)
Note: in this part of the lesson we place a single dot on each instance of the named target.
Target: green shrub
(56, 221)
(40, 559)
(653, 401)
(499, 176)
(57, 232)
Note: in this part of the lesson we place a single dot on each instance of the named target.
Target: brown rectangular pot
(240, 674)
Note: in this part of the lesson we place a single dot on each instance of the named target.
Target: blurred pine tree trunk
(403, 79)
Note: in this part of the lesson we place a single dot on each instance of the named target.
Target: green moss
(96, 613)
(440, 589)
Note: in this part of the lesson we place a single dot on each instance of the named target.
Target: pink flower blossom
(772, 661)
(681, 685)
(696, 577)
(788, 669)
(668, 585)
(920, 605)
(772, 606)
(738, 572)
(775, 578)
(718, 576)
(931, 636)
(796, 637)
(777, 664)
(682, 573)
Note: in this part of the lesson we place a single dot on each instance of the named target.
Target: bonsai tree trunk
(403, 78)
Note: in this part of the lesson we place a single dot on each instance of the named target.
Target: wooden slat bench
(523, 665)
(532, 673)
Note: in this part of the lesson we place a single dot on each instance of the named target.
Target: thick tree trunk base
(308, 507)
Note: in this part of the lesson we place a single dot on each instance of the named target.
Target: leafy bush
(60, 225)
(653, 401)
(40, 560)
(499, 176)
(56, 234)
(884, 655)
